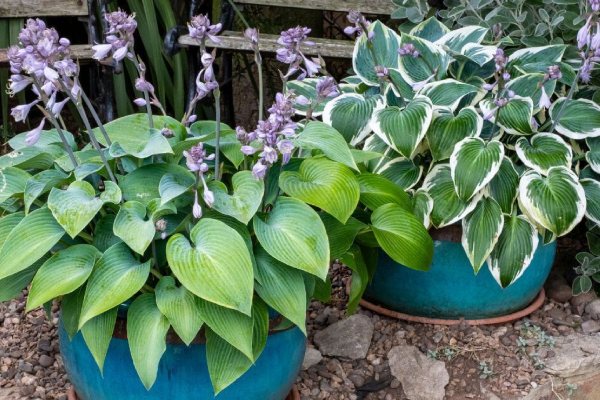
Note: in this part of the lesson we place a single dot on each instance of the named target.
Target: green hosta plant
(496, 141)
(187, 225)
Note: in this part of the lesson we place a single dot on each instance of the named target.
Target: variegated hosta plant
(496, 142)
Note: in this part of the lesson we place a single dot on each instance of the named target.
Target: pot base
(536, 304)
(294, 394)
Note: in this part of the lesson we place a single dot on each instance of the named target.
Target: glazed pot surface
(451, 290)
(182, 373)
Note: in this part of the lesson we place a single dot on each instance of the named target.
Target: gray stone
(575, 355)
(590, 326)
(349, 338)
(311, 357)
(422, 378)
(560, 293)
(593, 309)
(45, 361)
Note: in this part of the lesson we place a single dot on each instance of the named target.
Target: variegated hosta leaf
(432, 60)
(215, 266)
(457, 39)
(133, 228)
(473, 164)
(515, 117)
(528, 85)
(384, 44)
(514, 251)
(481, 230)
(12, 181)
(545, 151)
(403, 129)
(555, 202)
(422, 207)
(75, 207)
(593, 155)
(592, 195)
(545, 56)
(446, 130)
(401, 86)
(477, 53)
(326, 184)
(447, 92)
(350, 114)
(245, 200)
(503, 188)
(576, 119)
(320, 136)
(403, 172)
(447, 206)
(431, 29)
(307, 88)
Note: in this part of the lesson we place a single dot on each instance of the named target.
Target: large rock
(422, 378)
(311, 357)
(575, 355)
(593, 309)
(349, 338)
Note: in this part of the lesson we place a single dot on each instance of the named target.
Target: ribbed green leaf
(143, 183)
(216, 266)
(481, 230)
(172, 186)
(473, 164)
(446, 130)
(384, 45)
(544, 151)
(181, 308)
(514, 251)
(245, 200)
(350, 114)
(133, 228)
(42, 183)
(422, 207)
(317, 135)
(282, 288)
(515, 117)
(576, 119)
(116, 277)
(12, 181)
(294, 234)
(375, 191)
(402, 236)
(555, 202)
(456, 39)
(29, 241)
(326, 184)
(146, 333)
(70, 309)
(104, 236)
(225, 363)
(353, 259)
(401, 171)
(403, 129)
(62, 273)
(31, 157)
(260, 327)
(447, 206)
(144, 145)
(447, 92)
(97, 333)
(75, 207)
(132, 132)
(503, 188)
(47, 138)
(341, 236)
(592, 195)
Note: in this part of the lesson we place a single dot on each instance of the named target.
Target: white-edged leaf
(592, 195)
(544, 151)
(422, 207)
(457, 39)
(481, 230)
(528, 85)
(431, 29)
(593, 155)
(308, 88)
(477, 53)
(504, 186)
(350, 114)
(447, 129)
(403, 172)
(447, 92)
(544, 56)
(385, 44)
(515, 117)
(432, 60)
(576, 119)
(245, 200)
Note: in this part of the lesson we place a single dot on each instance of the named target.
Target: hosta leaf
(97, 333)
(403, 172)
(172, 186)
(75, 207)
(326, 184)
(422, 207)
(133, 228)
(116, 277)
(354, 260)
(307, 88)
(592, 195)
(446, 130)
(225, 363)
(104, 236)
(294, 234)
(447, 206)
(514, 251)
(528, 85)
(385, 44)
(42, 183)
(351, 115)
(431, 29)
(12, 181)
(576, 119)
(245, 200)
(230, 146)
(282, 288)
(29, 241)
(544, 56)
(341, 236)
(376, 190)
(481, 230)
(142, 145)
(402, 236)
(62, 273)
(544, 151)
(515, 117)
(593, 155)
(477, 53)
(47, 138)
(146, 333)
(29, 158)
(432, 60)
(143, 184)
(12, 286)
(456, 39)
(473, 164)
(317, 135)
(216, 266)
(70, 309)
(555, 202)
(504, 186)
(403, 129)
(447, 92)
(181, 308)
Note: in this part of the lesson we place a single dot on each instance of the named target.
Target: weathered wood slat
(383, 7)
(81, 52)
(42, 8)
(231, 40)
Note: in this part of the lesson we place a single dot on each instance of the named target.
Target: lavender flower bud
(101, 51)
(167, 132)
(19, 113)
(143, 85)
(409, 49)
(326, 87)
(595, 4)
(302, 100)
(192, 118)
(583, 35)
(360, 24)
(259, 170)
(489, 86)
(544, 99)
(248, 150)
(209, 197)
(381, 72)
(500, 59)
(554, 72)
(252, 35)
(200, 28)
(196, 209)
(140, 102)
(33, 135)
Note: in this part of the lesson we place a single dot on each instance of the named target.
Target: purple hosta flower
(291, 52)
(119, 39)
(545, 101)
(56, 107)
(326, 88)
(584, 34)
(595, 41)
(191, 119)
(501, 102)
(553, 72)
(285, 147)
(167, 132)
(195, 160)
(19, 113)
(259, 170)
(143, 85)
(585, 73)
(595, 4)
(196, 208)
(252, 35)
(161, 226)
(409, 49)
(416, 86)
(200, 28)
(501, 60)
(381, 72)
(18, 83)
(361, 24)
(489, 86)
(33, 135)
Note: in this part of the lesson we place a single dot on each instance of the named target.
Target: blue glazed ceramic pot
(182, 373)
(450, 289)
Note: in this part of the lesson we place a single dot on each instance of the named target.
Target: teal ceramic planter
(182, 373)
(450, 289)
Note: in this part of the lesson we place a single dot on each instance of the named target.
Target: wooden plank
(231, 40)
(81, 52)
(42, 8)
(382, 7)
